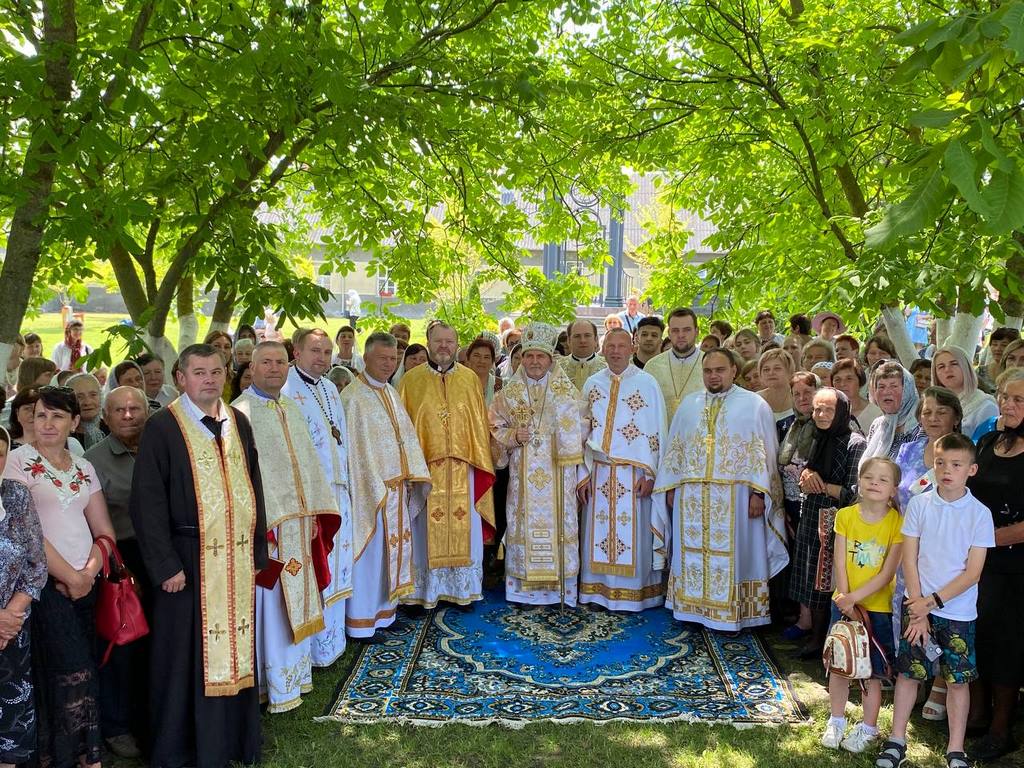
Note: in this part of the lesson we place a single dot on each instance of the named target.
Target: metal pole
(616, 239)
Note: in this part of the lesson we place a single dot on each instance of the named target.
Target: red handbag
(119, 616)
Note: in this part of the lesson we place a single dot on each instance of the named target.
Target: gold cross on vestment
(242, 541)
(215, 632)
(243, 626)
(216, 547)
(205, 461)
(299, 398)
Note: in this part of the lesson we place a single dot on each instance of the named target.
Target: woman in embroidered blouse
(72, 513)
(22, 576)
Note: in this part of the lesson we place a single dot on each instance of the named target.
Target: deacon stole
(447, 410)
(227, 581)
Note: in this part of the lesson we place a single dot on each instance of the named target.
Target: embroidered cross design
(216, 547)
(293, 567)
(636, 402)
(242, 541)
(299, 398)
(215, 632)
(607, 490)
(605, 546)
(459, 513)
(243, 626)
(654, 442)
(630, 431)
(594, 395)
(205, 462)
(539, 478)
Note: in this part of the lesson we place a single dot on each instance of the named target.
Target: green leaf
(962, 169)
(1004, 199)
(934, 117)
(917, 211)
(1013, 21)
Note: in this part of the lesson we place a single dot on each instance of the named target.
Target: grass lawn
(49, 327)
(294, 740)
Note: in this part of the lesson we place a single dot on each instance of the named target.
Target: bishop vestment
(677, 376)
(721, 449)
(626, 431)
(389, 481)
(542, 539)
(448, 413)
(318, 400)
(302, 523)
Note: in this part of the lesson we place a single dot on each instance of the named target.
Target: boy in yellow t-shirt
(869, 538)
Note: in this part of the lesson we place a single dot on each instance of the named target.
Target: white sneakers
(856, 741)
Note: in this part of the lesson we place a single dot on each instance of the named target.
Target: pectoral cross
(336, 434)
(216, 547)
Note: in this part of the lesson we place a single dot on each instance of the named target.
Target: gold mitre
(541, 337)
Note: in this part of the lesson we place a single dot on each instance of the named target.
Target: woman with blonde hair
(951, 368)
(774, 370)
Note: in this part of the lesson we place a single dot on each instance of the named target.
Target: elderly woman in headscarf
(951, 368)
(128, 373)
(827, 482)
(893, 391)
(792, 458)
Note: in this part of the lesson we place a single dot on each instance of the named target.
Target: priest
(318, 400)
(302, 522)
(535, 423)
(446, 405)
(582, 361)
(389, 483)
(724, 538)
(678, 369)
(197, 508)
(625, 427)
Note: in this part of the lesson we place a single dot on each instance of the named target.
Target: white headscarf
(971, 398)
(880, 440)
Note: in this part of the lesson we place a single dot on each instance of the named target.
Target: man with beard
(389, 483)
(647, 339)
(447, 409)
(583, 360)
(725, 538)
(302, 520)
(677, 369)
(320, 404)
(625, 432)
(535, 424)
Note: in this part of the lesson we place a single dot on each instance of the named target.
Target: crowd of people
(276, 497)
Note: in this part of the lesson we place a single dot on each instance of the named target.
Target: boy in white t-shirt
(946, 533)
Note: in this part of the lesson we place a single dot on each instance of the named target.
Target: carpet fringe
(518, 725)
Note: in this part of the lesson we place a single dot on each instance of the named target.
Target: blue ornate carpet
(512, 665)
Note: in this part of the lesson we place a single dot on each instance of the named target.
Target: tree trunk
(163, 349)
(223, 309)
(1013, 306)
(943, 325)
(965, 332)
(896, 326)
(188, 323)
(59, 43)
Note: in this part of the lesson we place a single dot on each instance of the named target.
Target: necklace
(533, 410)
(328, 412)
(672, 371)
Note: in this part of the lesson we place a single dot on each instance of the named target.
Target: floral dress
(63, 630)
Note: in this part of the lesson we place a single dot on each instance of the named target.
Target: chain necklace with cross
(533, 409)
(327, 411)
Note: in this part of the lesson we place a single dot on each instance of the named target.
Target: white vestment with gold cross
(721, 449)
(320, 404)
(543, 474)
(624, 416)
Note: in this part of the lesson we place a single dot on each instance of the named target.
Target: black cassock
(189, 728)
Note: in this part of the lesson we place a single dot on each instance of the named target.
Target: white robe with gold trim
(720, 449)
(625, 423)
(329, 644)
(542, 539)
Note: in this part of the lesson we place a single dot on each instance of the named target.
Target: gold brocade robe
(578, 371)
(384, 453)
(296, 493)
(677, 378)
(448, 413)
(227, 524)
(542, 518)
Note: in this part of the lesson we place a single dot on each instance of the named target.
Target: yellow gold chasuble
(450, 418)
(227, 524)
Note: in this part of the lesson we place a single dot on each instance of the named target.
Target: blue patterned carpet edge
(513, 665)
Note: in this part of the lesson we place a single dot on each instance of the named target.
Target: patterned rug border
(801, 713)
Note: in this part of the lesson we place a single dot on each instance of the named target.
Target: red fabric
(75, 345)
(119, 616)
(482, 482)
(323, 544)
